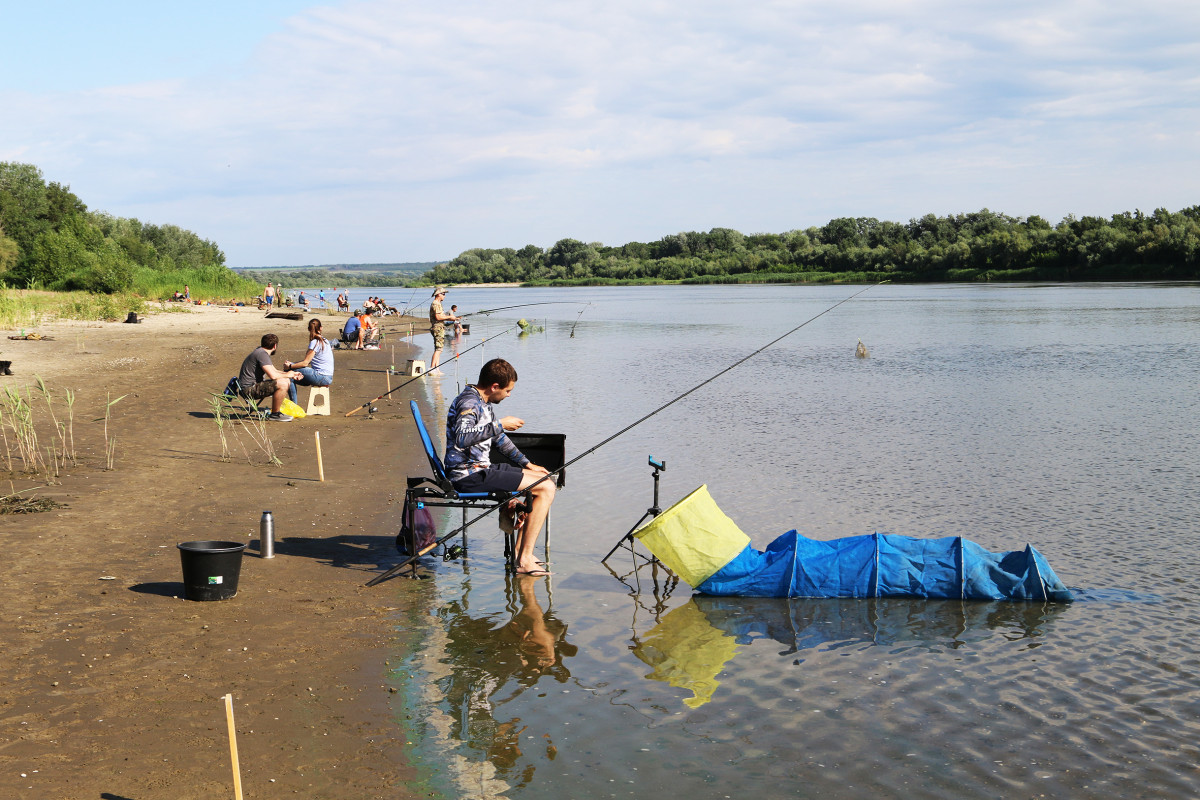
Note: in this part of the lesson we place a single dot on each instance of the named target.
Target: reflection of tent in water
(706, 549)
(692, 644)
(687, 652)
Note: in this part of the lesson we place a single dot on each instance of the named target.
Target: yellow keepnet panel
(694, 538)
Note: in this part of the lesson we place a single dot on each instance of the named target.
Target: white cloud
(412, 130)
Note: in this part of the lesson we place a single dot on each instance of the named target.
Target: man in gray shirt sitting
(259, 379)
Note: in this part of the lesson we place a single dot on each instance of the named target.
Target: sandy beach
(113, 682)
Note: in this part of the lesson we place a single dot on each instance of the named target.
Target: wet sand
(113, 682)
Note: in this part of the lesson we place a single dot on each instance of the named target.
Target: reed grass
(28, 308)
(110, 443)
(229, 413)
(205, 283)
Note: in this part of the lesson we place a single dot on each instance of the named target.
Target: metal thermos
(266, 536)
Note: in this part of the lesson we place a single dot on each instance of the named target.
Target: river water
(1062, 416)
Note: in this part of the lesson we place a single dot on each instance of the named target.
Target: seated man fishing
(471, 427)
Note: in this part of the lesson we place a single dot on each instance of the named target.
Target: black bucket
(210, 569)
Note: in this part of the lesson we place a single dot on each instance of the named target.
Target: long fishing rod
(526, 305)
(385, 575)
(423, 374)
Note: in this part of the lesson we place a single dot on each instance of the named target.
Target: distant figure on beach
(317, 367)
(279, 295)
(321, 298)
(187, 293)
(343, 302)
(258, 378)
(471, 428)
(302, 301)
(269, 294)
(437, 326)
(457, 322)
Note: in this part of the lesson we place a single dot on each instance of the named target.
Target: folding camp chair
(438, 492)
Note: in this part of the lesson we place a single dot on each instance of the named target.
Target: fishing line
(423, 374)
(527, 305)
(385, 575)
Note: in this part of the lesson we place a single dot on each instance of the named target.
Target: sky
(381, 131)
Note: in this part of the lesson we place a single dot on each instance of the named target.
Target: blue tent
(705, 548)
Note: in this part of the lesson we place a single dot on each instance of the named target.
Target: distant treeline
(49, 240)
(980, 246)
(410, 268)
(326, 278)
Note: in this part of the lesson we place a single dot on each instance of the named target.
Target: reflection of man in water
(534, 634)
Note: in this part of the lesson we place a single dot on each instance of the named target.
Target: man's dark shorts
(496, 478)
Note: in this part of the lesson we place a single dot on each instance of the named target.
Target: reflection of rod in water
(423, 374)
(550, 475)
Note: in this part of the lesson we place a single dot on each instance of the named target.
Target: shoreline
(114, 683)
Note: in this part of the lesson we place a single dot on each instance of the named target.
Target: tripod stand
(626, 541)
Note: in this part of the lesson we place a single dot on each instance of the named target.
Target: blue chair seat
(438, 492)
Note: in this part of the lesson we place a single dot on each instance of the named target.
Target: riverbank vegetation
(979, 246)
(50, 240)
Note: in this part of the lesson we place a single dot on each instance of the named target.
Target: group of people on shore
(259, 378)
(472, 426)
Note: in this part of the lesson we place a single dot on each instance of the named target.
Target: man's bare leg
(539, 509)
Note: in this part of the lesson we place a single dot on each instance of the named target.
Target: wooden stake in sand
(389, 381)
(233, 756)
(320, 464)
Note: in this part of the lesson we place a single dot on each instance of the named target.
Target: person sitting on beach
(343, 302)
(368, 332)
(360, 331)
(317, 367)
(457, 321)
(302, 301)
(471, 428)
(350, 333)
(259, 379)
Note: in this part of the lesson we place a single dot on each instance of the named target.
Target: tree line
(320, 277)
(978, 246)
(50, 240)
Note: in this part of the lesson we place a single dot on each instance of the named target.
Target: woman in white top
(317, 367)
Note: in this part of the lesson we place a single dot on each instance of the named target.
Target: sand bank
(113, 683)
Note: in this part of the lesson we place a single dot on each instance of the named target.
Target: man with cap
(437, 327)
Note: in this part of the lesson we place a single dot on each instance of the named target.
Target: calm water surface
(1063, 416)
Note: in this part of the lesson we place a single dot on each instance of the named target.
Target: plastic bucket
(210, 569)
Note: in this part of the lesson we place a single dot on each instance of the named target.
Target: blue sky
(293, 133)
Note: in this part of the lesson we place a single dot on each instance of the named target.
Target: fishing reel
(454, 552)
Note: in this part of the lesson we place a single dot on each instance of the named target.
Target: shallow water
(1063, 416)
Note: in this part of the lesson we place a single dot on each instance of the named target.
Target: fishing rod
(577, 318)
(385, 575)
(526, 305)
(423, 374)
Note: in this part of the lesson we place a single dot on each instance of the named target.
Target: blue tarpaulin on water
(690, 537)
(886, 565)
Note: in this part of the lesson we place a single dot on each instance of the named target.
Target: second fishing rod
(551, 475)
(457, 356)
